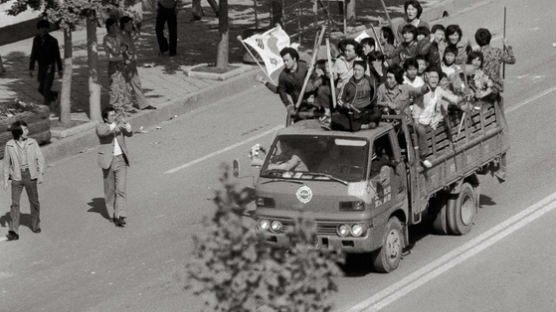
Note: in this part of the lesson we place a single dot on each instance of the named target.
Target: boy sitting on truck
(427, 114)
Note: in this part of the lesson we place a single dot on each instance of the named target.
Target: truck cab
(350, 183)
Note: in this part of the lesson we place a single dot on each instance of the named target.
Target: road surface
(82, 262)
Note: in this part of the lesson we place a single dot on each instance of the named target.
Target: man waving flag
(268, 46)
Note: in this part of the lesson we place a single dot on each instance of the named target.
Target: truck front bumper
(333, 242)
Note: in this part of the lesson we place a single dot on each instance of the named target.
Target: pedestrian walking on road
(131, 73)
(167, 14)
(113, 158)
(24, 165)
(46, 52)
(116, 51)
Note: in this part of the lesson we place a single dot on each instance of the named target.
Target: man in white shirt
(343, 66)
(113, 158)
(427, 113)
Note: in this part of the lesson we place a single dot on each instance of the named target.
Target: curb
(238, 70)
(82, 142)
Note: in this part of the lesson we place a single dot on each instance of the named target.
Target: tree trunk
(65, 99)
(92, 55)
(223, 45)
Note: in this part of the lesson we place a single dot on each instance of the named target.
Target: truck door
(386, 174)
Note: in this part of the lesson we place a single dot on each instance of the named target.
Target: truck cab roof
(312, 127)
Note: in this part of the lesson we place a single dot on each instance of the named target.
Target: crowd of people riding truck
(412, 69)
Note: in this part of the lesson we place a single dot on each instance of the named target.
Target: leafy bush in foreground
(233, 269)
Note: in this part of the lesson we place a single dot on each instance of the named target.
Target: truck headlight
(343, 230)
(263, 225)
(357, 230)
(276, 226)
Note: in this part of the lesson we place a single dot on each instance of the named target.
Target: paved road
(81, 262)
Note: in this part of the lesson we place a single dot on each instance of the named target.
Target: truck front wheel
(440, 221)
(462, 211)
(388, 257)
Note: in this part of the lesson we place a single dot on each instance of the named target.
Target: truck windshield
(326, 158)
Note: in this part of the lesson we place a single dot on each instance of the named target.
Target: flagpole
(311, 67)
(255, 59)
(504, 43)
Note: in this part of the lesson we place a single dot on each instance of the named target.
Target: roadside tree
(234, 269)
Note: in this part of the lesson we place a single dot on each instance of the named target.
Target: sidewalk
(164, 82)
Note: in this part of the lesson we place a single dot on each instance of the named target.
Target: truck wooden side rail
(456, 154)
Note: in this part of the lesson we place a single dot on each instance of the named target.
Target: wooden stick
(332, 86)
(311, 66)
(387, 14)
(255, 59)
(345, 17)
(377, 40)
(460, 124)
(504, 40)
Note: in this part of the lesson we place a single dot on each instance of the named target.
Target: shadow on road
(486, 200)
(97, 205)
(357, 265)
(24, 219)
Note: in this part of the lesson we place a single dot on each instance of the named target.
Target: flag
(268, 45)
(362, 36)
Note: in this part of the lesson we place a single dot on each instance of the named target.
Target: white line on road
(198, 160)
(531, 99)
(456, 256)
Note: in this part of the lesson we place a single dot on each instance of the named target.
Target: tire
(440, 220)
(388, 257)
(462, 212)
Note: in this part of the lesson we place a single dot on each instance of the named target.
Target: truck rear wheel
(388, 257)
(461, 212)
(440, 221)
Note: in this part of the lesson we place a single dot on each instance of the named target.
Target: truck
(365, 189)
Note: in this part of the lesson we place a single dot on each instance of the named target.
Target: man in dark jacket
(46, 52)
(357, 105)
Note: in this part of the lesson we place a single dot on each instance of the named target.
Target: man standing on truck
(493, 59)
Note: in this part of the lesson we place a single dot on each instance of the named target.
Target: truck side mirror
(257, 154)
